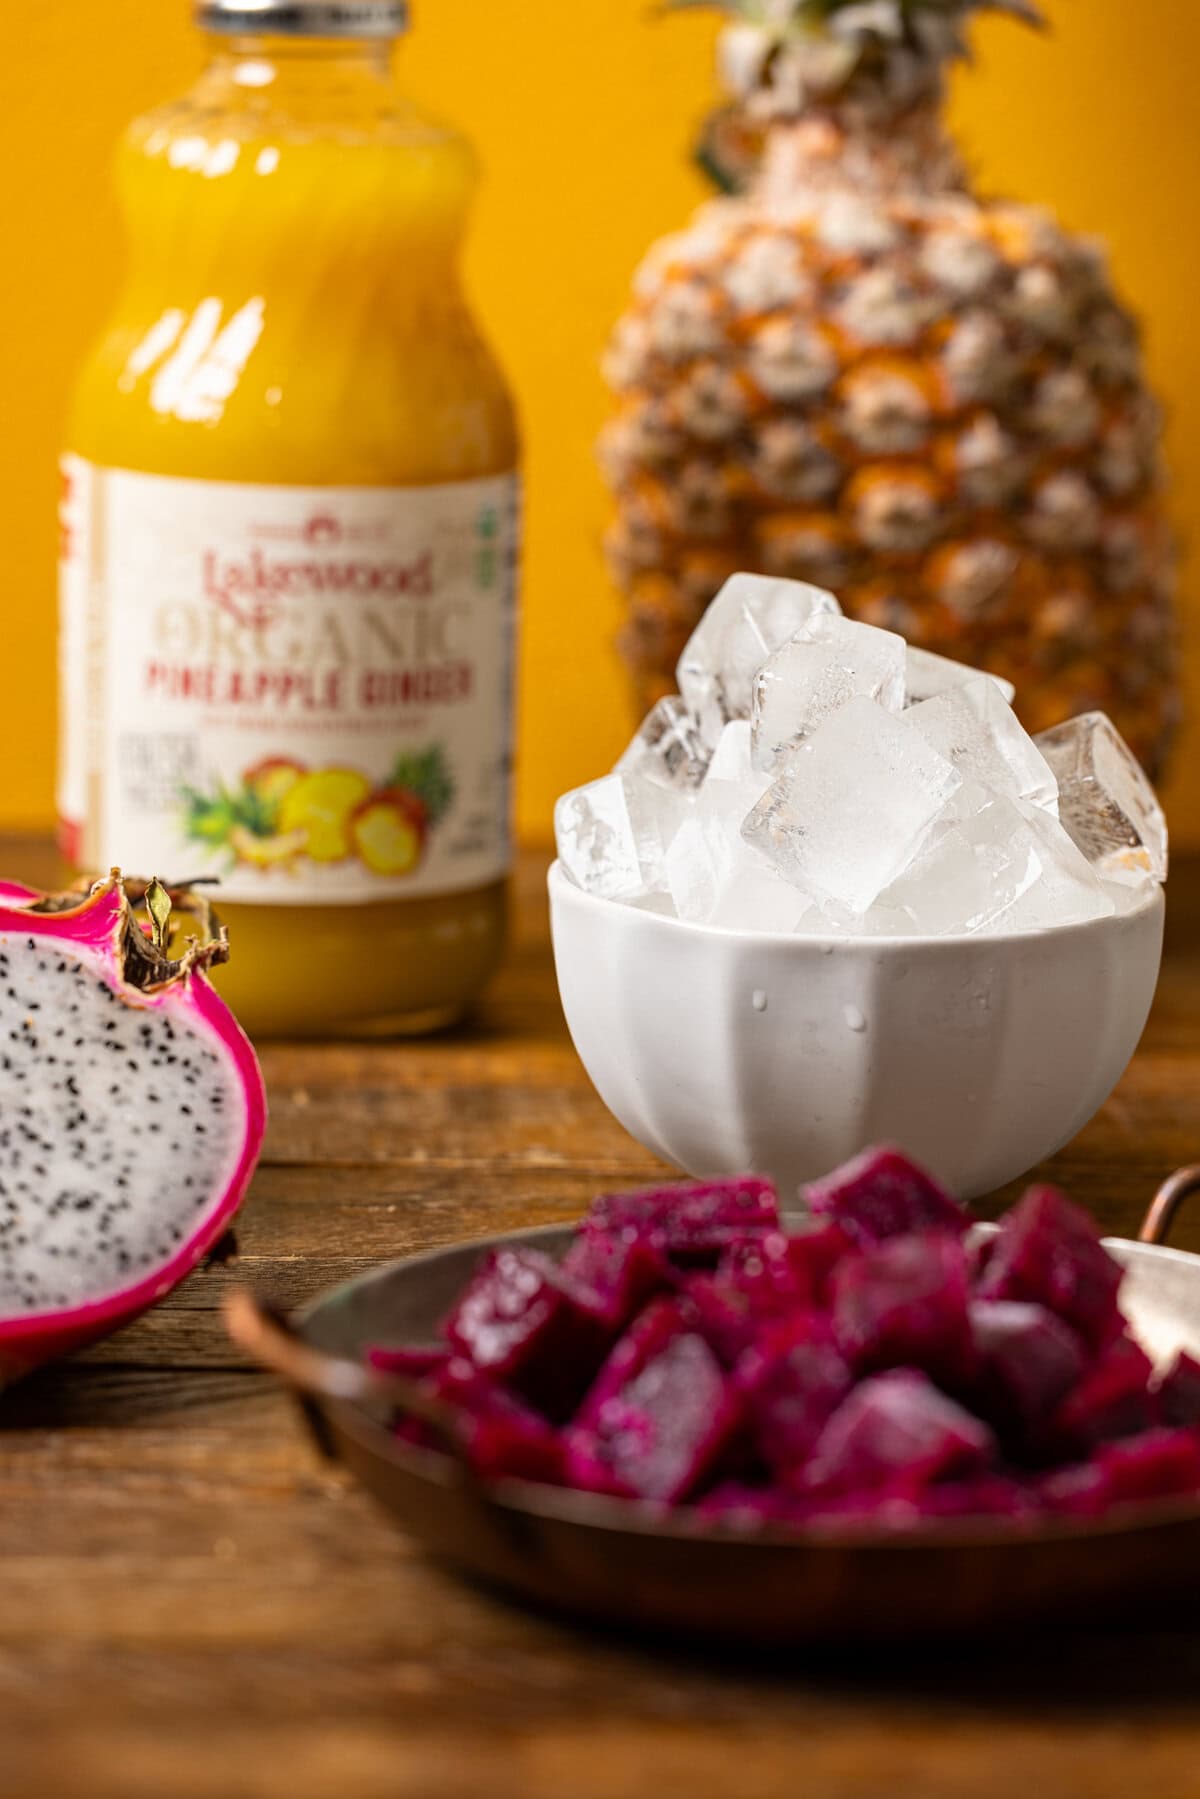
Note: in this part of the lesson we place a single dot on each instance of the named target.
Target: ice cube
(969, 871)
(850, 805)
(1105, 800)
(827, 662)
(667, 748)
(1068, 889)
(754, 897)
(926, 675)
(975, 727)
(749, 618)
(699, 863)
(612, 835)
(991, 864)
(731, 758)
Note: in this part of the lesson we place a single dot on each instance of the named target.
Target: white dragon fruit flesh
(131, 1114)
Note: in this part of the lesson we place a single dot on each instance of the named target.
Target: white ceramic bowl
(725, 1051)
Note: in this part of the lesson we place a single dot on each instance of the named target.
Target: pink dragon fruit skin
(896, 1432)
(519, 1322)
(1159, 1464)
(1026, 1361)
(691, 1222)
(181, 1068)
(1179, 1392)
(883, 1193)
(903, 1303)
(1048, 1250)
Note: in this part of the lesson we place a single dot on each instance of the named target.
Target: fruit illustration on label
(320, 804)
(389, 831)
(282, 813)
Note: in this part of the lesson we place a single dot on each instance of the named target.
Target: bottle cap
(304, 18)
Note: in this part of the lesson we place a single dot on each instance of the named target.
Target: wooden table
(192, 1604)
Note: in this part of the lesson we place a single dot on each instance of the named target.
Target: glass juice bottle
(289, 510)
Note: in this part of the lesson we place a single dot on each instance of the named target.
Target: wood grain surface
(191, 1603)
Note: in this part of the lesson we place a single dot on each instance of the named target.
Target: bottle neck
(278, 72)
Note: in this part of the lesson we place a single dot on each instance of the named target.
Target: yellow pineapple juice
(289, 523)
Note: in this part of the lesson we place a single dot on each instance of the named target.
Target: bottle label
(304, 691)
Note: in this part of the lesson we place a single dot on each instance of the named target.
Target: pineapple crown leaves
(427, 774)
(802, 50)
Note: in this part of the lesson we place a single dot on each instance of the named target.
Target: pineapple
(859, 373)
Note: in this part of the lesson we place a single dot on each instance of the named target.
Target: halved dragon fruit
(521, 1323)
(1026, 1361)
(660, 1417)
(903, 1303)
(691, 1222)
(898, 1433)
(131, 1113)
(1049, 1251)
(883, 1193)
(792, 1382)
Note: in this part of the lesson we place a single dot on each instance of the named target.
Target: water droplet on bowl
(758, 1000)
(854, 1018)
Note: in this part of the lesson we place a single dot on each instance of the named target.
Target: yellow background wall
(583, 110)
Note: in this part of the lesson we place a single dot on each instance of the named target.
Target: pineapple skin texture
(933, 405)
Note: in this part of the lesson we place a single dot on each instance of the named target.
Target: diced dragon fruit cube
(792, 1382)
(413, 1360)
(1049, 1251)
(756, 1283)
(1156, 1465)
(903, 1303)
(882, 1193)
(765, 1270)
(500, 1434)
(692, 1221)
(897, 1433)
(815, 1253)
(738, 1506)
(1113, 1399)
(659, 1433)
(618, 1274)
(518, 1323)
(979, 1496)
(1179, 1392)
(646, 1337)
(723, 1315)
(1027, 1360)
(1080, 1490)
